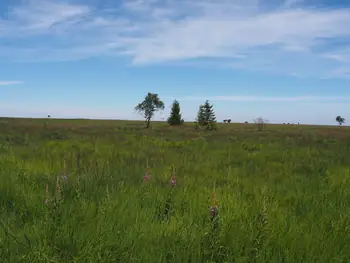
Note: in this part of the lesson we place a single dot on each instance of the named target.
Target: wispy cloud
(289, 3)
(7, 83)
(264, 99)
(246, 34)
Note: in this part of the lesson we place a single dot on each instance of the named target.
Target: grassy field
(74, 191)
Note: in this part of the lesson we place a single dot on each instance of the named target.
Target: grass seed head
(47, 196)
(214, 210)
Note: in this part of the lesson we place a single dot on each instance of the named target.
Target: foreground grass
(283, 194)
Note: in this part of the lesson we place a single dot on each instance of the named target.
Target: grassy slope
(283, 193)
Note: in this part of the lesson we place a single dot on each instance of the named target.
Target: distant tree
(340, 120)
(149, 106)
(246, 122)
(206, 116)
(260, 123)
(175, 115)
(229, 120)
(200, 116)
(225, 121)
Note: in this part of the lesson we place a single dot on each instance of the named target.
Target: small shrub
(260, 123)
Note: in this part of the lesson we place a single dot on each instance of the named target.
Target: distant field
(283, 194)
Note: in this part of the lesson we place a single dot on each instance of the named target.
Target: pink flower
(173, 181)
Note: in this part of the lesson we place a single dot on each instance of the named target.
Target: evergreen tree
(209, 113)
(200, 116)
(206, 116)
(175, 115)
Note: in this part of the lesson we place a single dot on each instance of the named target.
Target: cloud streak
(265, 99)
(287, 38)
(7, 83)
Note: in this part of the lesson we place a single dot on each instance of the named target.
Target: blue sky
(287, 61)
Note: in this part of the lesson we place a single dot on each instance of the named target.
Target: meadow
(76, 191)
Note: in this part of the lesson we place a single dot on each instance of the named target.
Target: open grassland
(283, 193)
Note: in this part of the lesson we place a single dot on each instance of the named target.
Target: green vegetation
(206, 117)
(175, 117)
(149, 106)
(340, 120)
(81, 191)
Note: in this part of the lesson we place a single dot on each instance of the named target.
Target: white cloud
(39, 16)
(248, 34)
(7, 83)
(289, 3)
(340, 72)
(264, 99)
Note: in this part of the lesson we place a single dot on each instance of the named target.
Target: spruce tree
(210, 119)
(206, 116)
(200, 116)
(175, 115)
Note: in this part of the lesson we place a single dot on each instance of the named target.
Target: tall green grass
(283, 194)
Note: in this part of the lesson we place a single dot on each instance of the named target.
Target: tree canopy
(206, 116)
(149, 106)
(340, 120)
(175, 115)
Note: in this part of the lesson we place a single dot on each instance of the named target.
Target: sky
(284, 60)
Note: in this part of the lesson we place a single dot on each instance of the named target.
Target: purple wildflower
(173, 181)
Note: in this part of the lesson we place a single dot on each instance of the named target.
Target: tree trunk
(147, 122)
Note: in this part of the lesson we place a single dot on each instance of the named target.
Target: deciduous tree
(149, 106)
(340, 120)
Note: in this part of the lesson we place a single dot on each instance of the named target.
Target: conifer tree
(175, 115)
(200, 116)
(206, 116)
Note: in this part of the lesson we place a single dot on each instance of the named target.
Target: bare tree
(260, 123)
